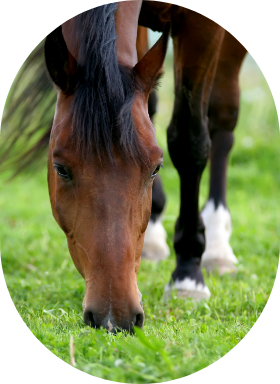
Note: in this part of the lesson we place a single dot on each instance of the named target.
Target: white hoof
(187, 288)
(218, 253)
(155, 247)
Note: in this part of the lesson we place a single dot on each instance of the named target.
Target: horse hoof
(221, 265)
(187, 289)
(155, 247)
(219, 256)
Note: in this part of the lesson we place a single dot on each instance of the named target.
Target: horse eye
(156, 171)
(61, 171)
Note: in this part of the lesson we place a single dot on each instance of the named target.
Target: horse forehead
(62, 146)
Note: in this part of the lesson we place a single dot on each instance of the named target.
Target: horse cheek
(146, 208)
(65, 207)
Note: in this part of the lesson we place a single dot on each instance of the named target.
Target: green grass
(179, 337)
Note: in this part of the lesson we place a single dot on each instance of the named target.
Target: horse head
(100, 177)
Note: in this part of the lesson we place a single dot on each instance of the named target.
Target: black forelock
(101, 108)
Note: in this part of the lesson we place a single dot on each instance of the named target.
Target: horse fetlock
(189, 245)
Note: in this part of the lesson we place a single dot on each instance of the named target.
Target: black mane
(101, 108)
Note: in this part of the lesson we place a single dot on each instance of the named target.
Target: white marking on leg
(218, 229)
(188, 288)
(155, 247)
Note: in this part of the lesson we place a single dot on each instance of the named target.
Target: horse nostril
(89, 319)
(94, 320)
(139, 320)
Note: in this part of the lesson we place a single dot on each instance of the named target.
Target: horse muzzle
(114, 323)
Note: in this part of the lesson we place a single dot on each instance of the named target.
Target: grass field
(179, 337)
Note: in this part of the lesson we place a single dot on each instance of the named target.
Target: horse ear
(149, 68)
(60, 63)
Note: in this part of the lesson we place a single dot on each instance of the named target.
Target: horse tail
(28, 115)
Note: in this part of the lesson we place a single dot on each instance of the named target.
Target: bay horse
(103, 156)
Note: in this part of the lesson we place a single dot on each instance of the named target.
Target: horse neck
(126, 21)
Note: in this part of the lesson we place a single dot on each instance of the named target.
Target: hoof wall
(221, 265)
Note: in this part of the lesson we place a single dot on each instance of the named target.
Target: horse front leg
(223, 114)
(197, 43)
